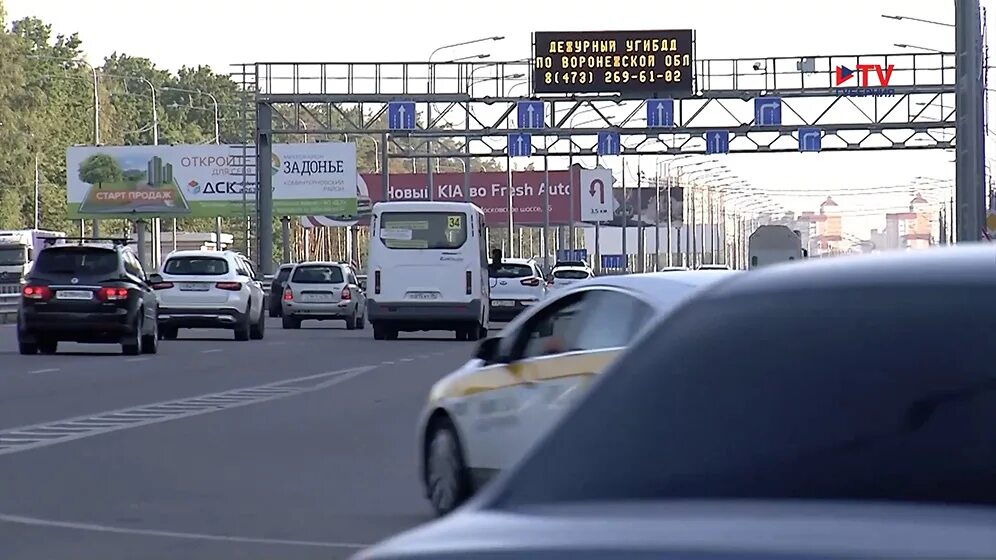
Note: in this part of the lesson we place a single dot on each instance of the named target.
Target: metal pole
(667, 177)
(598, 229)
(546, 210)
(285, 239)
(96, 135)
(693, 236)
(428, 160)
(657, 218)
(641, 249)
(217, 234)
(141, 237)
(385, 178)
(625, 216)
(570, 185)
(37, 193)
(264, 154)
(969, 126)
(511, 219)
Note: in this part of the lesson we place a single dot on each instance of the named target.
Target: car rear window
(511, 271)
(76, 260)
(283, 274)
(423, 230)
(570, 274)
(196, 266)
(317, 275)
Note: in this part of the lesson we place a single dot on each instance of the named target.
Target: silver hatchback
(323, 291)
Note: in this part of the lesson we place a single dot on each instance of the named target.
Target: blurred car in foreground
(843, 408)
(482, 417)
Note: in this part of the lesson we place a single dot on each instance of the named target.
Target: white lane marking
(124, 419)
(35, 522)
(387, 363)
(276, 343)
(46, 370)
(407, 359)
(211, 351)
(136, 359)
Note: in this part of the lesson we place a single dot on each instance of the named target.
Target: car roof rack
(116, 241)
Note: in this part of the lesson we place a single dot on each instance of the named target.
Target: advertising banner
(206, 181)
(641, 207)
(489, 190)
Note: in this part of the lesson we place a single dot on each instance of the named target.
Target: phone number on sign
(613, 77)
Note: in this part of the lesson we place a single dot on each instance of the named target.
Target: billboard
(632, 63)
(640, 207)
(489, 190)
(206, 181)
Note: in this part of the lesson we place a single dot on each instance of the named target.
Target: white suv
(566, 275)
(209, 290)
(515, 285)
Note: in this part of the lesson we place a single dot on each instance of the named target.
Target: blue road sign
(717, 141)
(810, 140)
(531, 114)
(572, 255)
(768, 111)
(660, 113)
(520, 144)
(401, 115)
(612, 261)
(608, 143)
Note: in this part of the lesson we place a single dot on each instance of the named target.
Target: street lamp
(931, 22)
(917, 47)
(471, 57)
(214, 100)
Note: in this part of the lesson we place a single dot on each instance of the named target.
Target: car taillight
(346, 293)
(470, 280)
(288, 295)
(112, 294)
(162, 285)
(230, 286)
(376, 281)
(36, 292)
(531, 282)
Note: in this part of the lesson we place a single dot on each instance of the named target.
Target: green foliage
(100, 168)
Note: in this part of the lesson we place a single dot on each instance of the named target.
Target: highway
(299, 446)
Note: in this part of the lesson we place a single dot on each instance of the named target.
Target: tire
(27, 348)
(150, 342)
(361, 321)
(244, 329)
(258, 331)
(275, 310)
(351, 323)
(446, 478)
(392, 334)
(169, 333)
(290, 322)
(473, 333)
(48, 346)
(132, 346)
(380, 333)
(460, 334)
(483, 332)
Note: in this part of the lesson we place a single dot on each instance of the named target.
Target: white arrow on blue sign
(717, 141)
(810, 140)
(401, 115)
(660, 113)
(520, 144)
(608, 143)
(768, 111)
(531, 114)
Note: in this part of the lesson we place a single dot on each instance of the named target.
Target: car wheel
(27, 348)
(259, 329)
(460, 334)
(132, 345)
(150, 342)
(290, 322)
(169, 333)
(274, 311)
(243, 329)
(482, 331)
(446, 476)
(380, 333)
(361, 321)
(351, 323)
(48, 346)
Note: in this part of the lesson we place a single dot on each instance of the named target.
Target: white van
(427, 269)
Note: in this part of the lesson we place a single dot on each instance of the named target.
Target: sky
(220, 33)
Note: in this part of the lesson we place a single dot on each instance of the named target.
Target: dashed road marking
(25, 438)
(211, 351)
(35, 522)
(136, 359)
(387, 363)
(407, 360)
(46, 370)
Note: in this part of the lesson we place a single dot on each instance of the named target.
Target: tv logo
(863, 87)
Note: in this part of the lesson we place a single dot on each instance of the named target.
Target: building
(912, 229)
(829, 238)
(159, 174)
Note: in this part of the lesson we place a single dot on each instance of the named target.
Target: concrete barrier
(8, 308)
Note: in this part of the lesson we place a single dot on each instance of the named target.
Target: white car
(485, 416)
(515, 285)
(209, 290)
(563, 276)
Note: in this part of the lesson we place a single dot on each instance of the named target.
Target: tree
(99, 169)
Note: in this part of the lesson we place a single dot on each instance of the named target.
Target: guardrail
(8, 307)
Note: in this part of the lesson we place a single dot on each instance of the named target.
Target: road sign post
(596, 195)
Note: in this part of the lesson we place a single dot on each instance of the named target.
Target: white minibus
(427, 269)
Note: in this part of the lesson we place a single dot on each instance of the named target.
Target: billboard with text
(206, 181)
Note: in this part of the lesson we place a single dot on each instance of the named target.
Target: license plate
(502, 303)
(423, 295)
(189, 287)
(316, 298)
(74, 294)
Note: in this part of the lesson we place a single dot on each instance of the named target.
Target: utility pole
(970, 160)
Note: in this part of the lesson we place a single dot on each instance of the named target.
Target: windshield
(317, 274)
(570, 274)
(423, 230)
(511, 271)
(76, 260)
(196, 266)
(283, 274)
(11, 256)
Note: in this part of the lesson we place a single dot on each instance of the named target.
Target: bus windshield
(423, 230)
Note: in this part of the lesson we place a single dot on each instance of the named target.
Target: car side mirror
(155, 278)
(487, 350)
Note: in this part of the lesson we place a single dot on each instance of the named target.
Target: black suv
(90, 290)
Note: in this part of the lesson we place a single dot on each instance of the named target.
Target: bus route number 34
(454, 222)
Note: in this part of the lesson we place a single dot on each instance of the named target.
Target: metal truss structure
(468, 110)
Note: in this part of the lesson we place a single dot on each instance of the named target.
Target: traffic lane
(333, 468)
(40, 388)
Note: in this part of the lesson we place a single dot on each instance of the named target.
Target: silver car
(323, 291)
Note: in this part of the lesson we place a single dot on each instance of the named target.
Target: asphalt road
(298, 446)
